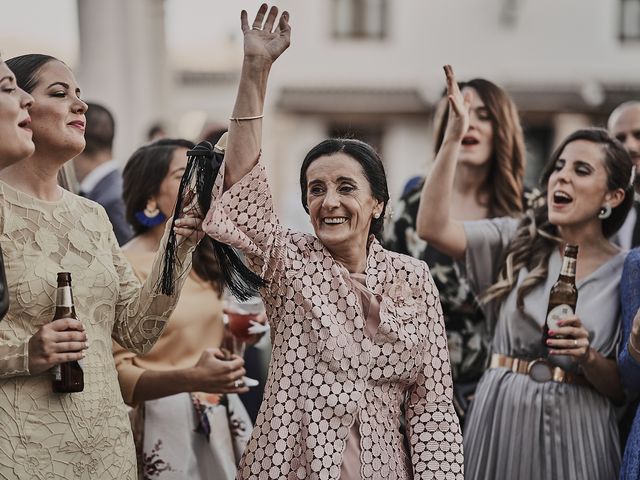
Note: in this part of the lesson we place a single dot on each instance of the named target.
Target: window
(629, 20)
(360, 19)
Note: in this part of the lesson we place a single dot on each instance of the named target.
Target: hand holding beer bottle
(56, 342)
(563, 332)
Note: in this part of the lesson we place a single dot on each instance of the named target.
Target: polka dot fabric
(325, 372)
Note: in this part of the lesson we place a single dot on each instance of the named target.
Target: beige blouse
(83, 435)
(195, 325)
(325, 373)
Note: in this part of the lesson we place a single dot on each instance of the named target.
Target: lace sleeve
(630, 303)
(432, 424)
(141, 311)
(243, 217)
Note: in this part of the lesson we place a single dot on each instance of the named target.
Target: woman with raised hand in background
(488, 183)
(555, 420)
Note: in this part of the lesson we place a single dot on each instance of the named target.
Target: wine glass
(242, 318)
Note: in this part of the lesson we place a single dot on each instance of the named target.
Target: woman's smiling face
(57, 115)
(341, 205)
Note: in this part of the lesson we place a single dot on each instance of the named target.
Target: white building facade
(371, 68)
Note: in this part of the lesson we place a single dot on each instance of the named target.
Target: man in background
(97, 172)
(624, 124)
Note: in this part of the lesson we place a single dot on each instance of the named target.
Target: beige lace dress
(326, 374)
(84, 435)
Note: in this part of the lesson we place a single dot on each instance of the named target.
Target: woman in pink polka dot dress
(357, 331)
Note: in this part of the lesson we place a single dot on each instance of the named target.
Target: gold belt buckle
(540, 370)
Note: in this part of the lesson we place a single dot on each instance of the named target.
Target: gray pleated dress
(518, 428)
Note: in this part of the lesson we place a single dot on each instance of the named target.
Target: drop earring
(151, 215)
(605, 211)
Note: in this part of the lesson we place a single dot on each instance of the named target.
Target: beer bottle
(67, 377)
(564, 294)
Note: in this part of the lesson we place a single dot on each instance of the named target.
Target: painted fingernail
(548, 342)
(552, 332)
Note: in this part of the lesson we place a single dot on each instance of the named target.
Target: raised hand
(459, 105)
(261, 39)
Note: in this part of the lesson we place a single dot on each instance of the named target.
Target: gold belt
(540, 369)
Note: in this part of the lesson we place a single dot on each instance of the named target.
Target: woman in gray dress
(560, 425)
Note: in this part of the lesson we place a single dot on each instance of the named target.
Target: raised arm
(262, 46)
(434, 223)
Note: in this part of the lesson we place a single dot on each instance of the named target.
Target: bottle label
(57, 373)
(558, 313)
(568, 266)
(63, 297)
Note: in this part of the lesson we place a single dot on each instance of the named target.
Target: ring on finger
(256, 28)
(575, 342)
(237, 384)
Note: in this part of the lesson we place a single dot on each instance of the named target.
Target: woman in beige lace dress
(357, 331)
(16, 143)
(44, 230)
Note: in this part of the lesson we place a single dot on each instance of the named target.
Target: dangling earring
(605, 211)
(151, 215)
(376, 216)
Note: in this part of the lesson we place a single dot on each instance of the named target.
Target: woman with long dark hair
(45, 230)
(488, 183)
(186, 415)
(555, 420)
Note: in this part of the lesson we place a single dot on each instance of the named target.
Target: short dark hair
(26, 69)
(368, 159)
(100, 129)
(154, 129)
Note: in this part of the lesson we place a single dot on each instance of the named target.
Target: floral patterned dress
(187, 435)
(83, 435)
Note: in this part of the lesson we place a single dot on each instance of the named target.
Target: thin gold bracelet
(633, 347)
(244, 119)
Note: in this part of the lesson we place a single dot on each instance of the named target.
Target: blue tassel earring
(150, 217)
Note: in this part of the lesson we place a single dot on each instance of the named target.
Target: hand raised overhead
(261, 40)
(459, 105)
